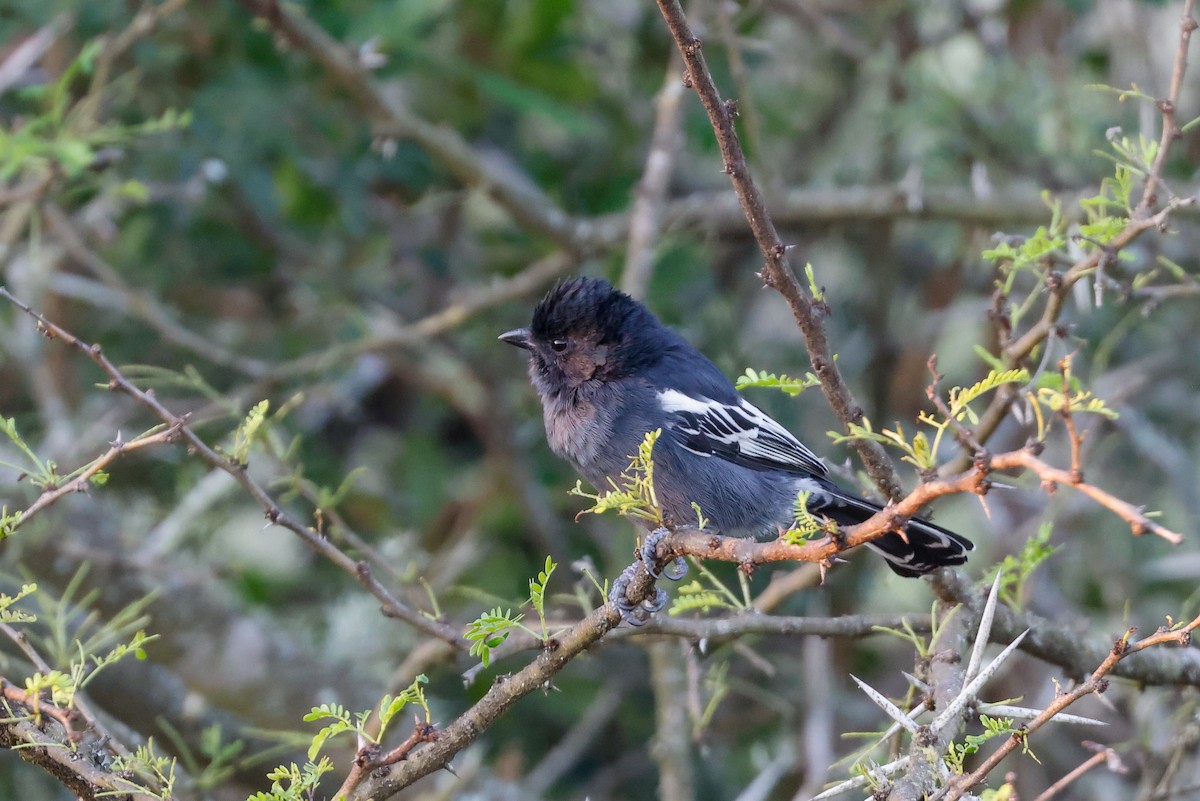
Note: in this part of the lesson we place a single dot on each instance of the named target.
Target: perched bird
(607, 372)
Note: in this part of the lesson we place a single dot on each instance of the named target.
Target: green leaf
(787, 384)
(960, 398)
(490, 631)
(696, 597)
(634, 494)
(248, 430)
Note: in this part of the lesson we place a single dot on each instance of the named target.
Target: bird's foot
(674, 570)
(637, 614)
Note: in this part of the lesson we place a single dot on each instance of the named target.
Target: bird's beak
(519, 337)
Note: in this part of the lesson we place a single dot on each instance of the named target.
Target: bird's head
(586, 330)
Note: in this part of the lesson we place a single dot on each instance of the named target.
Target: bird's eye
(559, 345)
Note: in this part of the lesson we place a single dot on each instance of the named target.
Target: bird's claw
(636, 614)
(617, 594)
(674, 570)
(656, 603)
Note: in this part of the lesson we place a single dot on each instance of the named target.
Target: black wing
(741, 433)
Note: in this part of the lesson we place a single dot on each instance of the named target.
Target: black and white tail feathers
(929, 546)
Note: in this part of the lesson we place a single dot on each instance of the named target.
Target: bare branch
(1096, 683)
(82, 482)
(500, 697)
(528, 205)
(645, 219)
(1166, 106)
(777, 272)
(391, 606)
(1142, 220)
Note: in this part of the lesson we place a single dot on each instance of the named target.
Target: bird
(608, 371)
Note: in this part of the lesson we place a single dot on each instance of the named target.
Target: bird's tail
(928, 546)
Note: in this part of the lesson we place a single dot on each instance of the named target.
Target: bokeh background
(222, 211)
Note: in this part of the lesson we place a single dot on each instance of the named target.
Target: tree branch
(527, 204)
(1096, 683)
(391, 606)
(500, 697)
(1059, 285)
(777, 272)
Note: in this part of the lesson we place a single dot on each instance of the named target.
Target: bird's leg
(636, 614)
(674, 570)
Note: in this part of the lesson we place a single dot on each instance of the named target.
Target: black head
(585, 330)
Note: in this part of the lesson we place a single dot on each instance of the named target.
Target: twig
(1133, 515)
(390, 605)
(776, 272)
(82, 704)
(1096, 683)
(645, 218)
(964, 435)
(1103, 755)
(1073, 437)
(500, 697)
(1059, 285)
(82, 482)
(1166, 106)
(528, 205)
(143, 304)
(369, 757)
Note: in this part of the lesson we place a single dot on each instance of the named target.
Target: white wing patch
(743, 434)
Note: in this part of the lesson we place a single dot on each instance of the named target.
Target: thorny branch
(709, 545)
(82, 482)
(1096, 683)
(1063, 645)
(1058, 286)
(777, 272)
(391, 606)
(749, 552)
(554, 223)
(500, 697)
